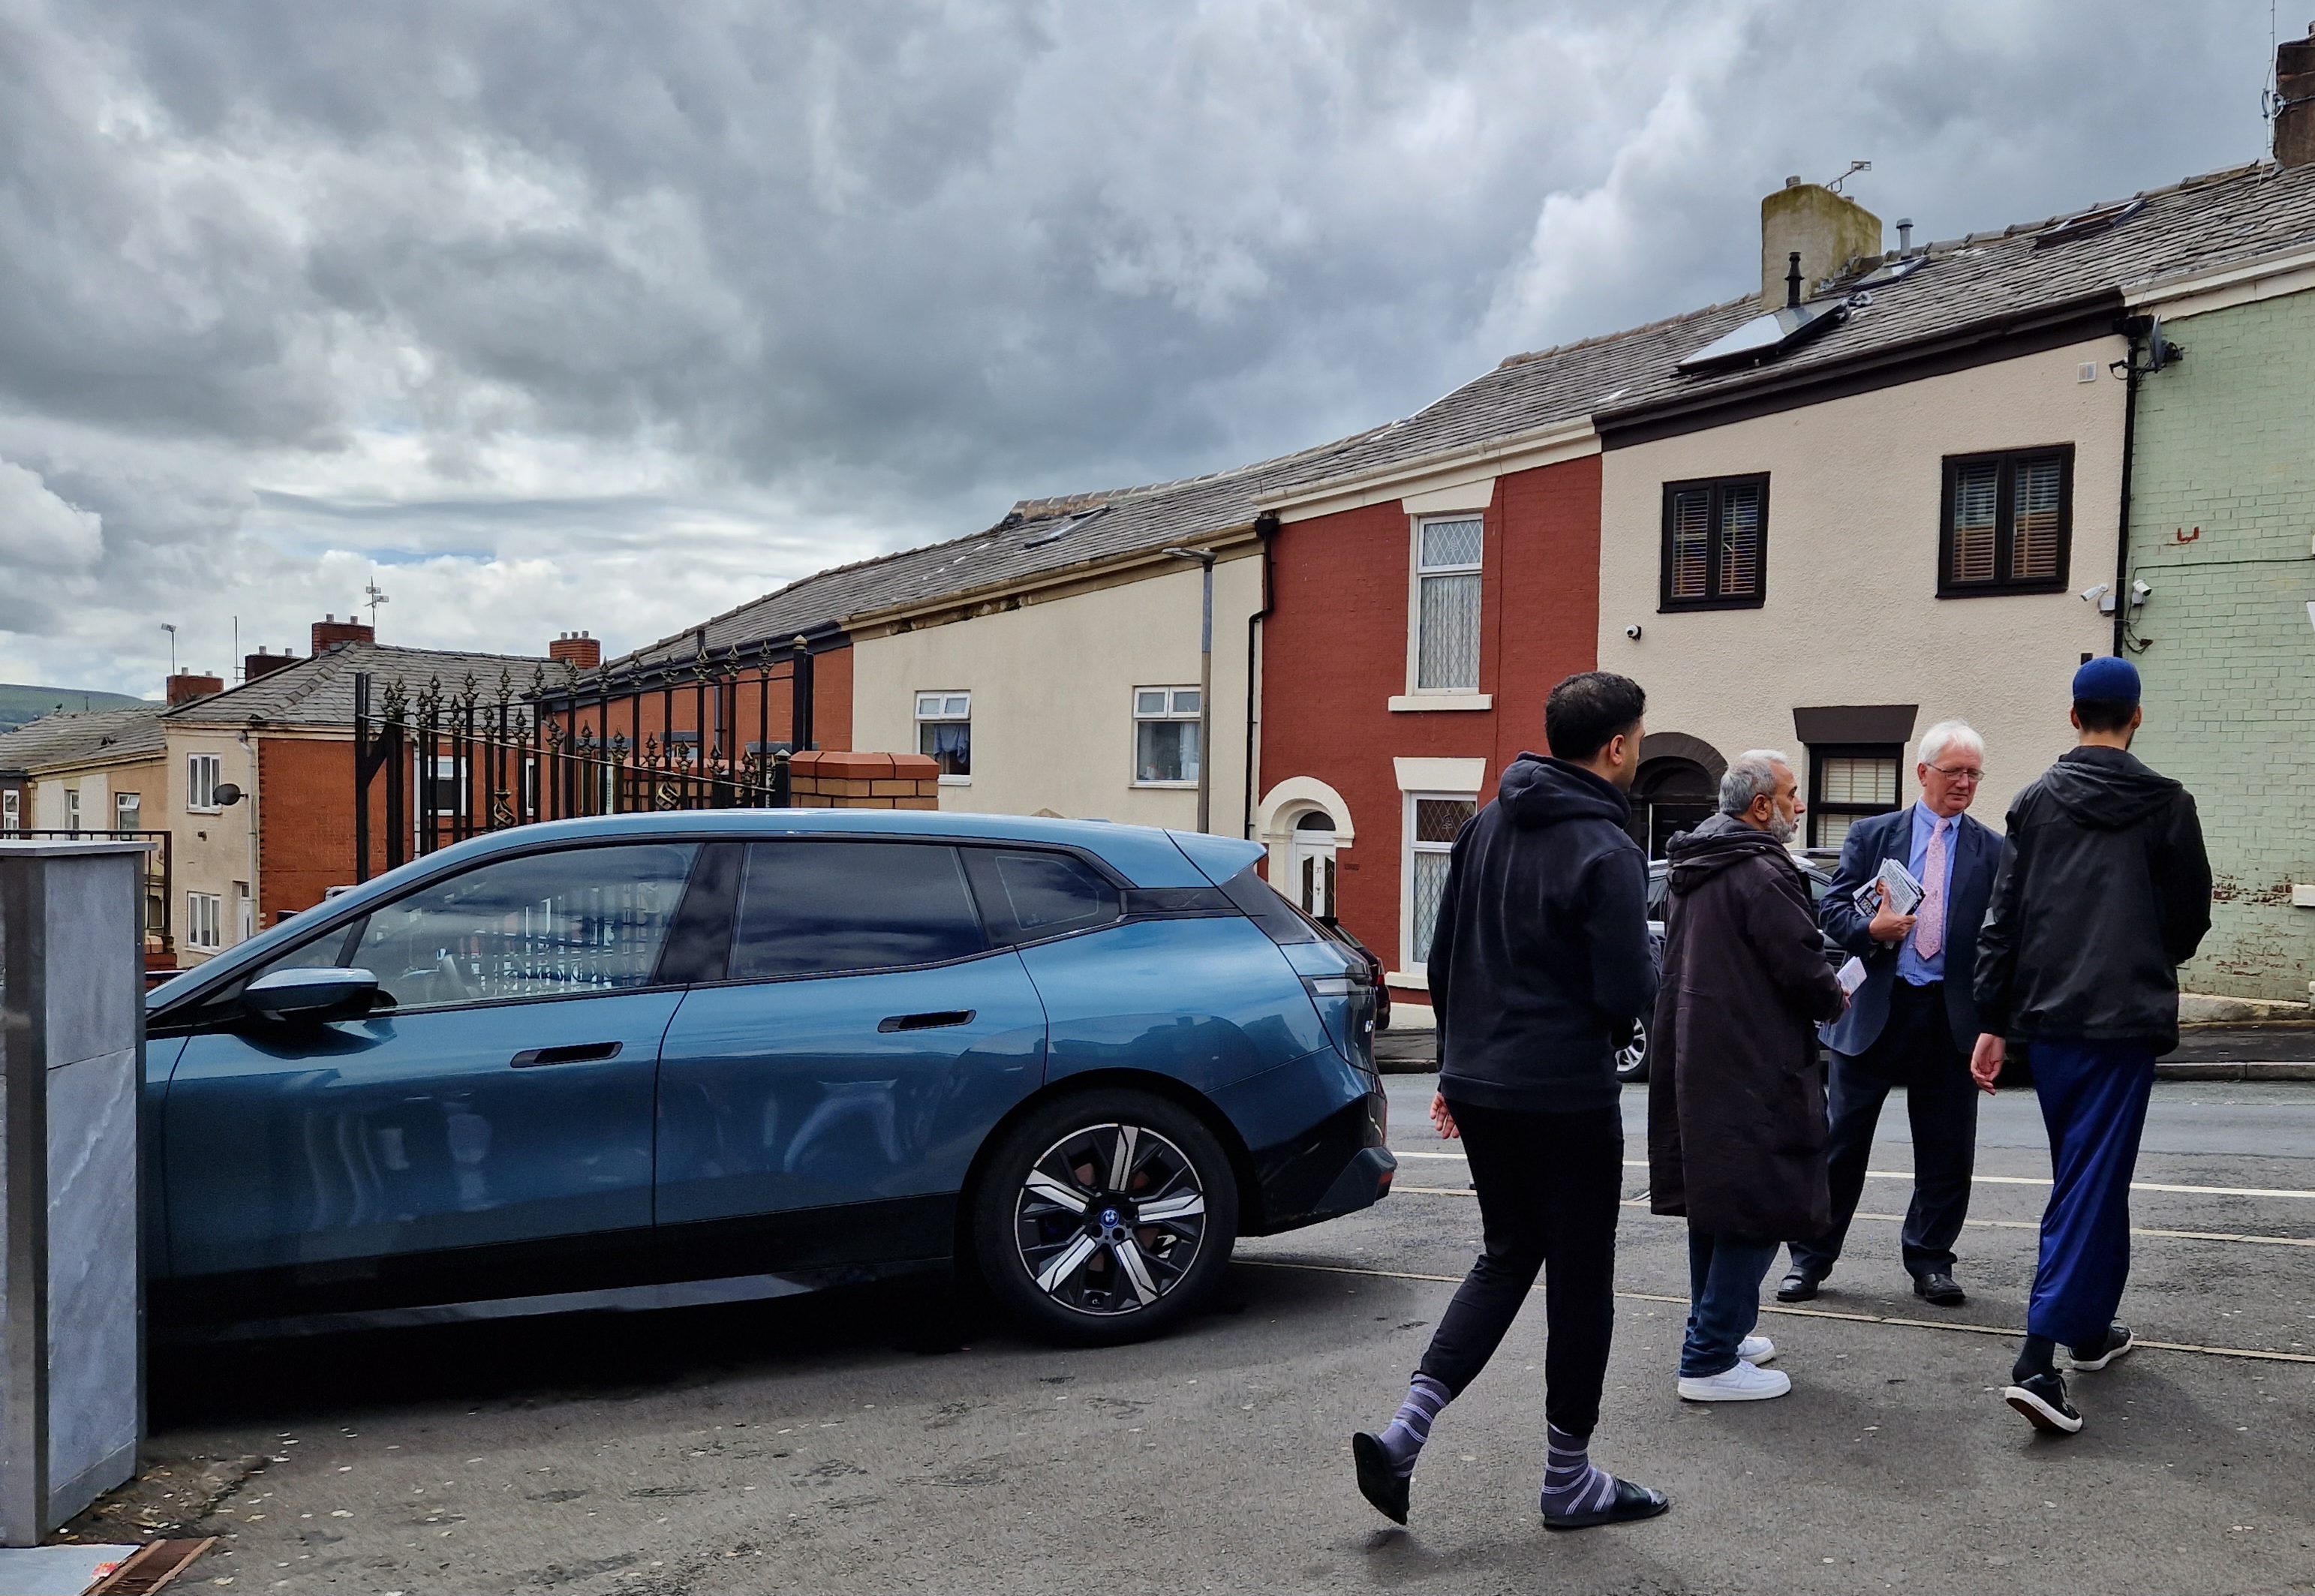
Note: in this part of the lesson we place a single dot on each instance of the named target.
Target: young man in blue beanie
(2103, 891)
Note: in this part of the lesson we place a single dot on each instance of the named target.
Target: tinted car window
(1025, 896)
(544, 925)
(1256, 900)
(815, 907)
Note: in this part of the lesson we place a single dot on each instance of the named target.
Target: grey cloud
(566, 284)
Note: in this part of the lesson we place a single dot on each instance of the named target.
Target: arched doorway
(1677, 788)
(1311, 865)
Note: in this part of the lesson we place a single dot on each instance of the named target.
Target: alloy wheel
(1110, 1219)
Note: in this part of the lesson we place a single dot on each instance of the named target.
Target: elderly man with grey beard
(1736, 1109)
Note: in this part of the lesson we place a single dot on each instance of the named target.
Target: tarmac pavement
(881, 1441)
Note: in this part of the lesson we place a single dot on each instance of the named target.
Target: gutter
(2135, 329)
(2047, 327)
(1265, 528)
(1226, 538)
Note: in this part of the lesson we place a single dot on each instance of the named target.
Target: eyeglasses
(1959, 773)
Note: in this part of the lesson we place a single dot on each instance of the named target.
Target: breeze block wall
(838, 780)
(2222, 512)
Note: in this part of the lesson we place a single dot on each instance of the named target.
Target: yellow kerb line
(2000, 1180)
(2253, 1353)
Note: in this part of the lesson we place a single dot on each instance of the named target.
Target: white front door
(1311, 880)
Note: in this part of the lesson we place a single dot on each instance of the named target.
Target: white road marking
(2286, 1241)
(1950, 1326)
(2001, 1180)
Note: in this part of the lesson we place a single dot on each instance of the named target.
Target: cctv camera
(2092, 595)
(1633, 633)
(2140, 593)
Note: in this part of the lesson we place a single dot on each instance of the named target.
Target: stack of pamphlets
(1905, 893)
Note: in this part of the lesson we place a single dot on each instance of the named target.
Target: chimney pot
(577, 650)
(331, 632)
(1904, 234)
(1794, 181)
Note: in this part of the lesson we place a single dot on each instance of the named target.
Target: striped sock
(1571, 1485)
(1403, 1441)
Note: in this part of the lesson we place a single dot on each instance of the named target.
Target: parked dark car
(1632, 1058)
(595, 1063)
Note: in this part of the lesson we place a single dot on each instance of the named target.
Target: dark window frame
(1818, 805)
(1714, 597)
(2005, 518)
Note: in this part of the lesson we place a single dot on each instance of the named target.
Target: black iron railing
(158, 873)
(440, 765)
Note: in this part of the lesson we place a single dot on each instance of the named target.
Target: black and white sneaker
(2118, 1341)
(2042, 1400)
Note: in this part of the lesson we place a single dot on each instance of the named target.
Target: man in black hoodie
(2103, 891)
(1538, 966)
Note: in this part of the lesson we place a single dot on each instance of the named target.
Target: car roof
(1145, 856)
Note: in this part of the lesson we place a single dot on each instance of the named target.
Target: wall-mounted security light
(2102, 595)
(1633, 631)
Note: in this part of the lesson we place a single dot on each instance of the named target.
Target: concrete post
(71, 1072)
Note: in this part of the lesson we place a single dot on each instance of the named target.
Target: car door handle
(585, 1052)
(928, 1021)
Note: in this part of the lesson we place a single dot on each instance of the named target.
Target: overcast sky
(563, 315)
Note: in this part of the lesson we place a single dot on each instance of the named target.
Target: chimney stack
(1827, 230)
(262, 663)
(186, 685)
(2294, 98)
(580, 649)
(330, 632)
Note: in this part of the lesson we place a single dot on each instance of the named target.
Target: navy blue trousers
(2093, 1097)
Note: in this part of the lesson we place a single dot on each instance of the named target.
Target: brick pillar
(839, 780)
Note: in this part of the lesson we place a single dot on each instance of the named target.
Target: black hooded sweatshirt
(1540, 961)
(2103, 891)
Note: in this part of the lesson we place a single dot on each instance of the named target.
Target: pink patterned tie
(1929, 926)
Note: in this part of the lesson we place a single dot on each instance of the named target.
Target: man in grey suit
(1909, 1025)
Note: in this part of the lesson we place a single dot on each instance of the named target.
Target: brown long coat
(1736, 1109)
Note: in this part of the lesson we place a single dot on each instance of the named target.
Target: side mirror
(226, 795)
(311, 994)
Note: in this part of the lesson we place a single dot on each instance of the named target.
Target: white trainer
(1757, 1350)
(1743, 1383)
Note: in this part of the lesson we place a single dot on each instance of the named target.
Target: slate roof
(1983, 281)
(1038, 538)
(320, 691)
(77, 737)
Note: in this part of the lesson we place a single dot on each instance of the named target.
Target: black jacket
(1540, 961)
(1736, 1108)
(2103, 891)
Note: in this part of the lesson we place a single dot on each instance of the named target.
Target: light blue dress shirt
(1910, 966)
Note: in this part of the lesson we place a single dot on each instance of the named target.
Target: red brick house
(1426, 594)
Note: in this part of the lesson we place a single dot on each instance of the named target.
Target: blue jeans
(2093, 1096)
(1723, 1292)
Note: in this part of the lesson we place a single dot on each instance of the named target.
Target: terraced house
(1884, 489)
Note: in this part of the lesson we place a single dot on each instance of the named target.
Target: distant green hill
(18, 705)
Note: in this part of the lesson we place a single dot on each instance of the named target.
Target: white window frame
(1412, 971)
(943, 717)
(120, 801)
(1173, 712)
(204, 773)
(12, 813)
(71, 809)
(1418, 697)
(204, 921)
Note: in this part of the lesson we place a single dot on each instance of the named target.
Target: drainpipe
(1265, 528)
(2134, 329)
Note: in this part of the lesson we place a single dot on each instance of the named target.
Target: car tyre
(1632, 1058)
(1104, 1216)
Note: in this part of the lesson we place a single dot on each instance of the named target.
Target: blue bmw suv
(690, 1056)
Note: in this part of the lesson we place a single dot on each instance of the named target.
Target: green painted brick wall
(2221, 517)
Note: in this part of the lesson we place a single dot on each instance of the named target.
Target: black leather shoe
(1798, 1286)
(1378, 1482)
(1942, 1289)
(1630, 1502)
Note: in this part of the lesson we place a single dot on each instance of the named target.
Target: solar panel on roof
(1767, 335)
